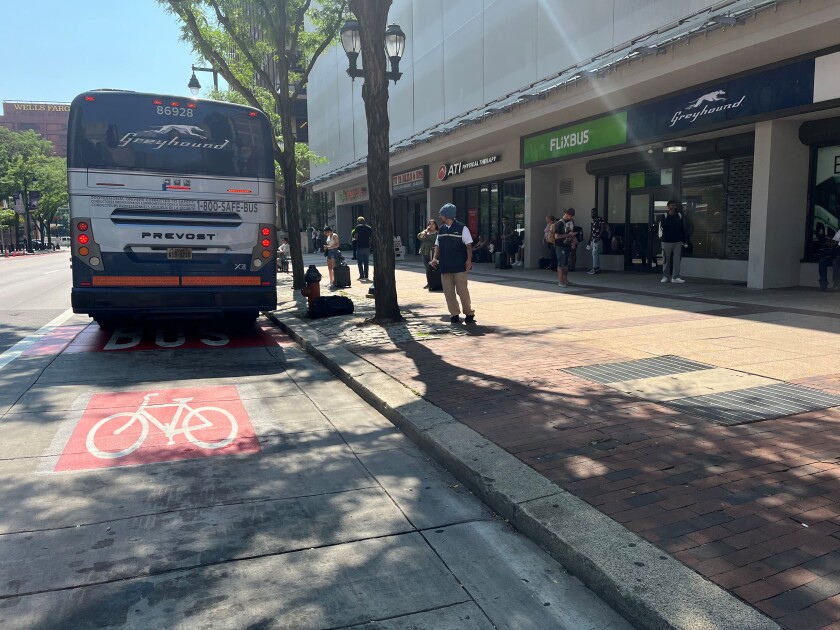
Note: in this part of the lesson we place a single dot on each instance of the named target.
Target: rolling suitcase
(433, 278)
(501, 260)
(342, 276)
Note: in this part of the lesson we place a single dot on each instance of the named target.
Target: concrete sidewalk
(622, 418)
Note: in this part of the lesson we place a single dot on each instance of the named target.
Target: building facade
(49, 120)
(523, 108)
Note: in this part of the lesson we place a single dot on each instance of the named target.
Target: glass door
(638, 245)
(644, 250)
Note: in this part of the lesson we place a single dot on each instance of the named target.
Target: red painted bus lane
(139, 338)
(161, 425)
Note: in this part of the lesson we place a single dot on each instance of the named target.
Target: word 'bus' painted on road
(137, 338)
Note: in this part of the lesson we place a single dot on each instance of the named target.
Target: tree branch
(242, 45)
(220, 62)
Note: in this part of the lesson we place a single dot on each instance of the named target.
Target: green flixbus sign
(563, 142)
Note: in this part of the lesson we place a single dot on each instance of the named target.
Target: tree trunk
(372, 16)
(290, 189)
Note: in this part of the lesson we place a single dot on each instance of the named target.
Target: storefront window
(483, 206)
(825, 196)
(513, 200)
(704, 209)
(616, 212)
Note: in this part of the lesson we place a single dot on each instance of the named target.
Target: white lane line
(46, 273)
(21, 346)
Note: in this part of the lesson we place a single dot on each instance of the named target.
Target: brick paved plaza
(703, 417)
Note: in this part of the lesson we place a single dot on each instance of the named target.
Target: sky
(77, 45)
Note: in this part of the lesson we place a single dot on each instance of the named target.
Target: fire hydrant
(312, 290)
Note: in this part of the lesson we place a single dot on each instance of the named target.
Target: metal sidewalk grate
(640, 368)
(755, 403)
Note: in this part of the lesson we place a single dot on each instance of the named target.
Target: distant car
(64, 241)
(37, 244)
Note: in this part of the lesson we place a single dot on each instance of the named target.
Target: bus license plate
(179, 253)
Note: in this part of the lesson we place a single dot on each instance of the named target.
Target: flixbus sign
(598, 133)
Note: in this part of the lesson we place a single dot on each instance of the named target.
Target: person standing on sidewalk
(829, 253)
(427, 240)
(363, 234)
(564, 233)
(332, 252)
(453, 255)
(673, 237)
(508, 244)
(597, 234)
(548, 239)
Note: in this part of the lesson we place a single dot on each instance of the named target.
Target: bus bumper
(173, 302)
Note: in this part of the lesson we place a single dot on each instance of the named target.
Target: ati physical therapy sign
(719, 105)
(448, 170)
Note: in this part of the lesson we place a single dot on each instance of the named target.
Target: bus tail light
(85, 249)
(265, 248)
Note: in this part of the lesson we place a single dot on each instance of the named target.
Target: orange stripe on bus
(197, 281)
(135, 281)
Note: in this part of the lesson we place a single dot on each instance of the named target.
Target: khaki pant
(452, 283)
(672, 253)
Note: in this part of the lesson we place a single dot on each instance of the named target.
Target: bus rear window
(139, 133)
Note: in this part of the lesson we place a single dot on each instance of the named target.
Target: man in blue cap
(453, 256)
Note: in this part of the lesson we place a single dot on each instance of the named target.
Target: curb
(648, 586)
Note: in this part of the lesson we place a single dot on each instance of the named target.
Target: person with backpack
(598, 233)
(672, 235)
(565, 238)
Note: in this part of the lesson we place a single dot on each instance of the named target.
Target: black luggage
(544, 263)
(342, 276)
(433, 278)
(331, 305)
(501, 260)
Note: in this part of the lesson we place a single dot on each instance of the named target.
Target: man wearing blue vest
(453, 256)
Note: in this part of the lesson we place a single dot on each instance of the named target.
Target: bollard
(312, 290)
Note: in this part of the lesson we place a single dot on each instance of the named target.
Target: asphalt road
(34, 290)
(185, 477)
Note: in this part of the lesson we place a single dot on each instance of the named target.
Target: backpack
(605, 231)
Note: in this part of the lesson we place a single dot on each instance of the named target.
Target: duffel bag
(330, 305)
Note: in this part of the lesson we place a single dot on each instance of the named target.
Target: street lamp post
(195, 86)
(367, 35)
(27, 198)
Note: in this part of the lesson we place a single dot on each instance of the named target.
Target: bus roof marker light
(157, 101)
(174, 103)
(252, 114)
(90, 99)
(191, 105)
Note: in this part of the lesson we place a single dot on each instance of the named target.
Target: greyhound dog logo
(189, 131)
(711, 97)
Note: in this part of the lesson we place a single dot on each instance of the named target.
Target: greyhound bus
(172, 209)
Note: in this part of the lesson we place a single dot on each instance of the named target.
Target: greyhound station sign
(725, 103)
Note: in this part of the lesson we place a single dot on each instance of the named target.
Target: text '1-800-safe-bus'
(172, 209)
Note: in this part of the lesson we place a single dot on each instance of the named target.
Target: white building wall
(461, 55)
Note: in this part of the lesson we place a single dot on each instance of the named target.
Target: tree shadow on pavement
(747, 506)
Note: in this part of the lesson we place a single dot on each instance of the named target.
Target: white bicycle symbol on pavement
(194, 419)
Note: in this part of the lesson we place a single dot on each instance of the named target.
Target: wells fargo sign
(36, 107)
